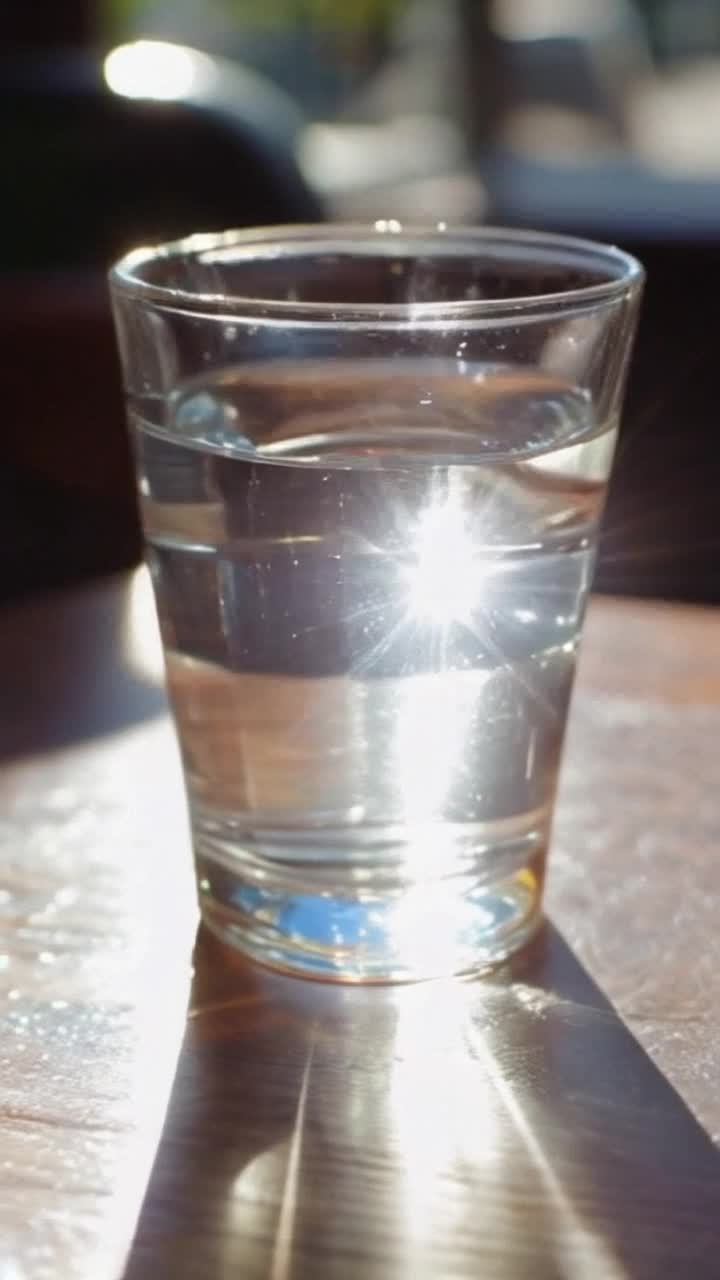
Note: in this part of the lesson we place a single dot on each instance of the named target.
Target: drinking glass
(371, 465)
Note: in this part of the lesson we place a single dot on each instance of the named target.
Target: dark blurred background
(129, 120)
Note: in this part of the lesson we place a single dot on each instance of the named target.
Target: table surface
(169, 1110)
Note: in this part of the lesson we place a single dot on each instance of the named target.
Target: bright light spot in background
(541, 19)
(345, 158)
(443, 580)
(155, 69)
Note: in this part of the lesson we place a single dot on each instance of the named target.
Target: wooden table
(558, 1120)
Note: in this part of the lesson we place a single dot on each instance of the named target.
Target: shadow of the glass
(505, 1127)
(92, 658)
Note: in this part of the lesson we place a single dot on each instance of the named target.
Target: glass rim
(624, 271)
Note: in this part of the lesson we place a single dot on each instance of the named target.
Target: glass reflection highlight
(434, 714)
(141, 646)
(443, 581)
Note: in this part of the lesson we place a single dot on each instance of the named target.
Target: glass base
(287, 918)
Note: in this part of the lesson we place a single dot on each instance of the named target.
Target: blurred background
(129, 120)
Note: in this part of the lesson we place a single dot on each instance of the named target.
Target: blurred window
(680, 29)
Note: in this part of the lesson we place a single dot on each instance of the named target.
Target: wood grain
(546, 1123)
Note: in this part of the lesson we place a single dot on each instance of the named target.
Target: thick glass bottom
(368, 929)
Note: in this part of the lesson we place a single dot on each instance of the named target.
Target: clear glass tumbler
(371, 466)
